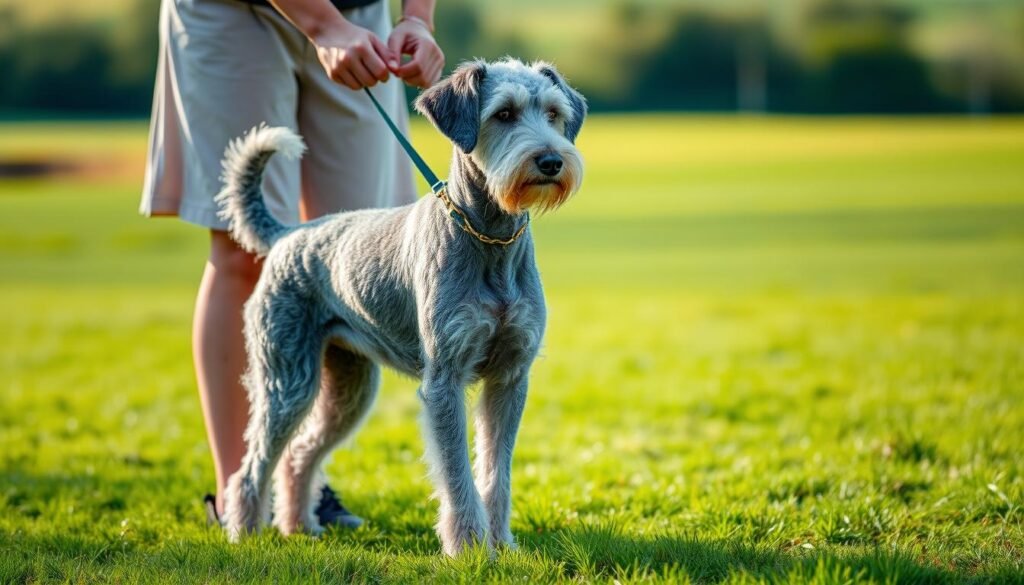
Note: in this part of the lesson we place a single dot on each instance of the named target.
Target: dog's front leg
(462, 520)
(497, 423)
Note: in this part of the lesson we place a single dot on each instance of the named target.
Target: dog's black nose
(549, 163)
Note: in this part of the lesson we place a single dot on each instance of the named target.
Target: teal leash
(437, 186)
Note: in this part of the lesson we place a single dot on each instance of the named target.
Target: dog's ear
(453, 105)
(576, 100)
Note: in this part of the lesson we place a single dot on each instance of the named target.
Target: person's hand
(354, 56)
(412, 37)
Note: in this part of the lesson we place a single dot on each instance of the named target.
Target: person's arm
(351, 54)
(414, 36)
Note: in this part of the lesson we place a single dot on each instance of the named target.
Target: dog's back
(356, 265)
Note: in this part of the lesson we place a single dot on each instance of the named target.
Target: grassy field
(782, 350)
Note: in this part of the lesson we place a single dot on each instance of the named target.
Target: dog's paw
(288, 523)
(234, 533)
(458, 544)
(312, 527)
(237, 530)
(242, 509)
(459, 532)
(503, 541)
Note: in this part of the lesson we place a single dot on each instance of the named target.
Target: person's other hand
(354, 56)
(413, 38)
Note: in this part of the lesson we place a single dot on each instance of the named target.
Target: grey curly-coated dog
(421, 288)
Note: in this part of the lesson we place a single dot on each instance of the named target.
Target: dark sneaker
(332, 512)
(212, 517)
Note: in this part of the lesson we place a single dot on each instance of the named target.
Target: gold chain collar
(462, 220)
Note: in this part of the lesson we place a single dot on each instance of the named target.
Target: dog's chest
(493, 329)
(514, 327)
(493, 320)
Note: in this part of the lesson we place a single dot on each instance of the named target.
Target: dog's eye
(504, 115)
(551, 115)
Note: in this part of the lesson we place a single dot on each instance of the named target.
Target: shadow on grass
(604, 552)
(94, 543)
(586, 554)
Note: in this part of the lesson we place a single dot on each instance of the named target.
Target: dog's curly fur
(408, 289)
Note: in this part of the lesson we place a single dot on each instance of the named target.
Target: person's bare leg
(218, 351)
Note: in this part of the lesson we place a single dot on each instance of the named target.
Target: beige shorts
(225, 67)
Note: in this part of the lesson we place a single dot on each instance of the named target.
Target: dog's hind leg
(285, 348)
(497, 423)
(348, 387)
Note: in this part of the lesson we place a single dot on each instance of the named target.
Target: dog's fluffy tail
(241, 200)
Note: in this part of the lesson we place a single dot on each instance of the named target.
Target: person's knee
(231, 261)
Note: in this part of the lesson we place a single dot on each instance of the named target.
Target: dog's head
(517, 123)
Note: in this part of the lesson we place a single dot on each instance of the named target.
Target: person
(226, 66)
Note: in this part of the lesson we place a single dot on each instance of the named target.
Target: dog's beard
(513, 180)
(525, 189)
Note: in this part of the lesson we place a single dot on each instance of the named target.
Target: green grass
(781, 350)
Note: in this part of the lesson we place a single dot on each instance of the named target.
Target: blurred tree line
(79, 67)
(814, 56)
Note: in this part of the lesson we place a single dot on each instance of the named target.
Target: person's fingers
(435, 74)
(386, 53)
(361, 73)
(425, 67)
(417, 81)
(340, 70)
(348, 80)
(437, 65)
(427, 77)
(438, 72)
(374, 64)
(345, 78)
(396, 42)
(333, 66)
(413, 68)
